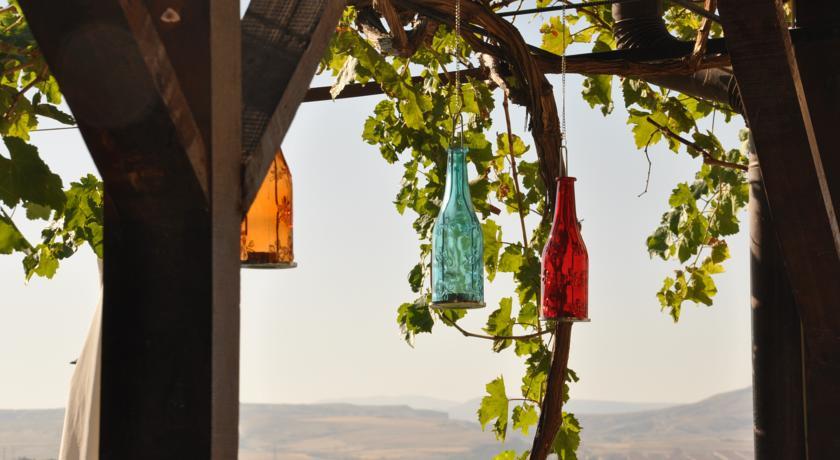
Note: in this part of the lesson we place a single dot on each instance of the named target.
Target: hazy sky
(327, 330)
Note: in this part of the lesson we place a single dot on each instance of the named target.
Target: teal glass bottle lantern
(457, 242)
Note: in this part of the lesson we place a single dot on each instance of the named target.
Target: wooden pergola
(182, 105)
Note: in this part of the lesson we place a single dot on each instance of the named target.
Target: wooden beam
(791, 140)
(203, 38)
(165, 78)
(817, 54)
(282, 43)
(170, 313)
(634, 63)
(817, 13)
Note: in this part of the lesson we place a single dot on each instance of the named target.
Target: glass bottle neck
(457, 185)
(564, 210)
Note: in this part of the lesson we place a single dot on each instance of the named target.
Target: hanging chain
(459, 92)
(564, 152)
(458, 50)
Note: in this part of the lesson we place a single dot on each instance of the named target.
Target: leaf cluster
(701, 213)
(28, 94)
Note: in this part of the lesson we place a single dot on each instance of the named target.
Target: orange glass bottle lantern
(565, 262)
(266, 235)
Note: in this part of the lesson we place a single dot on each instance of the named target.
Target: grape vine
(411, 126)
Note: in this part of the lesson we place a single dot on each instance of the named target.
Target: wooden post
(792, 116)
(168, 150)
(156, 88)
(778, 400)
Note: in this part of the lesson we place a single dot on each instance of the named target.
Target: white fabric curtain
(80, 436)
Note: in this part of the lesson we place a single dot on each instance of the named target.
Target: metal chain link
(459, 92)
(458, 47)
(563, 132)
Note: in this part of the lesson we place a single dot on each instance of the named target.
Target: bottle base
(269, 266)
(460, 305)
(567, 319)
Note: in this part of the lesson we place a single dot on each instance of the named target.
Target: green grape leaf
(555, 37)
(53, 112)
(597, 91)
(524, 417)
(657, 243)
(492, 233)
(527, 347)
(415, 278)
(511, 260)
(494, 406)
(528, 279)
(643, 131)
(568, 438)
(503, 146)
(11, 239)
(414, 318)
(25, 177)
(500, 323)
(512, 455)
(47, 264)
(36, 211)
(528, 314)
(720, 252)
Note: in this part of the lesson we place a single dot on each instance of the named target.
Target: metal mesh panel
(275, 33)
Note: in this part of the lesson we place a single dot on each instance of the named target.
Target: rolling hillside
(718, 428)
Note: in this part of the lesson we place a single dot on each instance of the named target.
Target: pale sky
(327, 330)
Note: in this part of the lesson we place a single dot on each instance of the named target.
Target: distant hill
(30, 433)
(413, 401)
(718, 428)
(466, 410)
(345, 432)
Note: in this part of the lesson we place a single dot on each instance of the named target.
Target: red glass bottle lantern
(565, 262)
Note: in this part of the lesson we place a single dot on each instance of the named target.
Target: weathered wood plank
(170, 317)
(282, 43)
(779, 107)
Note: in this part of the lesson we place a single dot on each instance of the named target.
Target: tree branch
(515, 173)
(392, 18)
(702, 36)
(551, 414)
(708, 158)
(19, 94)
(467, 333)
(650, 165)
